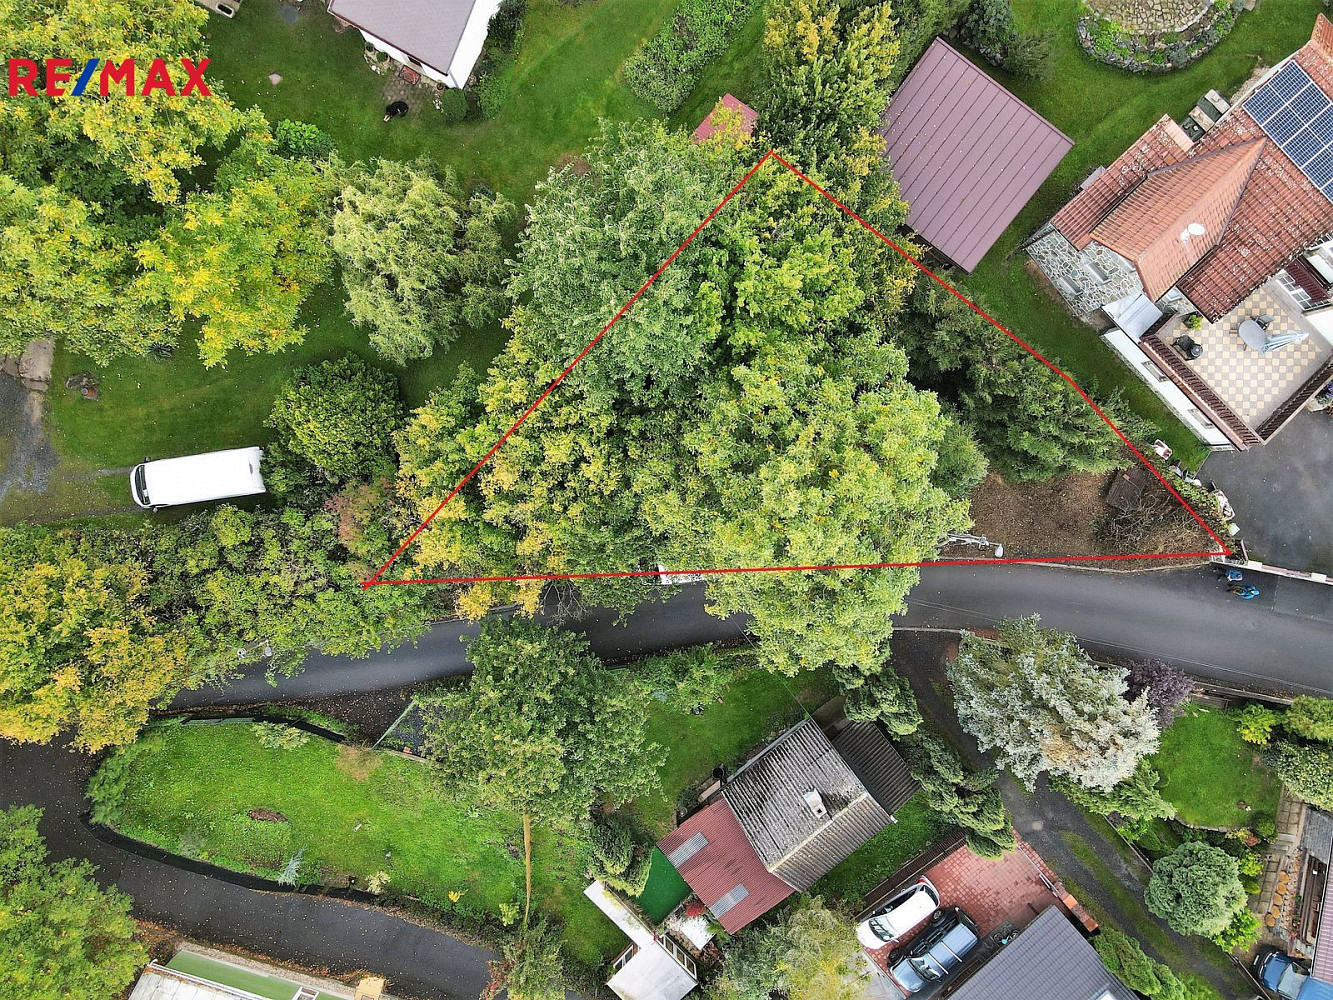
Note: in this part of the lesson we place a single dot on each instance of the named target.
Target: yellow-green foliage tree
(242, 256)
(80, 647)
(149, 140)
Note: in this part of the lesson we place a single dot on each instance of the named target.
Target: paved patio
(1254, 384)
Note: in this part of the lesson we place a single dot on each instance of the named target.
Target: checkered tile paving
(1254, 384)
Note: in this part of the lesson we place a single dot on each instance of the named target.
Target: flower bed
(1157, 51)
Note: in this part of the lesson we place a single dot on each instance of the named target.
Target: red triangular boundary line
(377, 581)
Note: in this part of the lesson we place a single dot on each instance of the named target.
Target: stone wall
(1062, 263)
(1147, 36)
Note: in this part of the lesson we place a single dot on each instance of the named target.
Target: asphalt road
(1279, 640)
(306, 930)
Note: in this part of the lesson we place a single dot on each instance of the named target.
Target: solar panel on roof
(1297, 115)
(1320, 169)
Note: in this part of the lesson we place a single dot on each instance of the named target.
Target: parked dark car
(939, 950)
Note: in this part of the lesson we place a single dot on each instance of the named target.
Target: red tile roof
(725, 861)
(748, 117)
(1147, 226)
(967, 154)
(1279, 213)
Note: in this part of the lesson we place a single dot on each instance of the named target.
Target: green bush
(1311, 717)
(1242, 932)
(612, 848)
(339, 417)
(1306, 770)
(301, 140)
(1255, 723)
(453, 105)
(277, 736)
(665, 68)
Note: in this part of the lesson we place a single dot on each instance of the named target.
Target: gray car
(939, 950)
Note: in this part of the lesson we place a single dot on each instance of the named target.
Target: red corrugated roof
(1278, 215)
(726, 861)
(748, 117)
(967, 153)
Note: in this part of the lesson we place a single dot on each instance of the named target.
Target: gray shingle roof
(873, 759)
(768, 798)
(428, 30)
(1317, 837)
(1048, 960)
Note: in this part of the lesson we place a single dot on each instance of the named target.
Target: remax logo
(29, 78)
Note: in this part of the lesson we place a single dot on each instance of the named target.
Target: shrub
(302, 141)
(506, 27)
(612, 848)
(452, 104)
(665, 68)
(1311, 717)
(1255, 723)
(492, 87)
(885, 697)
(1196, 889)
(339, 416)
(1306, 770)
(1168, 687)
(277, 736)
(1124, 957)
(1242, 932)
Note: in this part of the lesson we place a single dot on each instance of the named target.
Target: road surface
(1279, 640)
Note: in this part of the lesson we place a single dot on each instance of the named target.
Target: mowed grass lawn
(1104, 110)
(189, 789)
(1208, 771)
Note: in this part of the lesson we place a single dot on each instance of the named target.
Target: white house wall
(398, 55)
(470, 45)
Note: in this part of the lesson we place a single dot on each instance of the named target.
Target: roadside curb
(1258, 567)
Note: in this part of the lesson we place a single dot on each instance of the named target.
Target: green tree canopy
(1305, 768)
(1136, 798)
(746, 412)
(419, 261)
(340, 416)
(809, 953)
(81, 647)
(964, 797)
(242, 256)
(1311, 718)
(1030, 423)
(1037, 698)
(540, 726)
(1196, 889)
(63, 937)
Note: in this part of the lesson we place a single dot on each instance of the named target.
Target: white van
(196, 478)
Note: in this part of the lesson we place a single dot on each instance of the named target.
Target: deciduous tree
(419, 261)
(242, 256)
(1036, 697)
(340, 416)
(63, 936)
(809, 954)
(81, 646)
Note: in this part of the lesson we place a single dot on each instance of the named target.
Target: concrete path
(305, 930)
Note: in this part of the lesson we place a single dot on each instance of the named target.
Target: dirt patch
(1069, 516)
(358, 762)
(29, 458)
(267, 816)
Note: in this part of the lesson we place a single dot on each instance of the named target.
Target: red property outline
(377, 581)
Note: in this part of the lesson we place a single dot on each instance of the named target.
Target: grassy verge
(1143, 926)
(1104, 110)
(190, 790)
(917, 828)
(1211, 775)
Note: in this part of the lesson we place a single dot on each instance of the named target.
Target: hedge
(666, 68)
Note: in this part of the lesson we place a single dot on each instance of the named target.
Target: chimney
(816, 803)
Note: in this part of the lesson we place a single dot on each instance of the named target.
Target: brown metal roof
(427, 30)
(967, 153)
(768, 797)
(722, 862)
